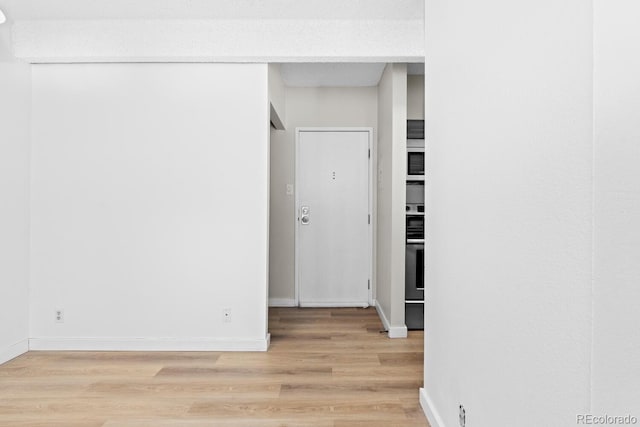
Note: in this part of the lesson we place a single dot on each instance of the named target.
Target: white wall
(415, 97)
(391, 201)
(616, 335)
(15, 100)
(149, 206)
(278, 112)
(509, 211)
(306, 107)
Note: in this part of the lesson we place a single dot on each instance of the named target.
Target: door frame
(299, 130)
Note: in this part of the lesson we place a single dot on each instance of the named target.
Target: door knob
(304, 215)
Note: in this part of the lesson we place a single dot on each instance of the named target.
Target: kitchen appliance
(415, 129)
(414, 286)
(414, 315)
(415, 228)
(415, 198)
(415, 216)
(415, 212)
(414, 267)
(414, 273)
(415, 159)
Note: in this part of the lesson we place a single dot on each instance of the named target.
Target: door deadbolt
(304, 215)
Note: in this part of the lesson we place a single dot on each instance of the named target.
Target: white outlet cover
(289, 189)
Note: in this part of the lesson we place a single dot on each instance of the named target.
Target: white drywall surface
(278, 112)
(509, 211)
(391, 201)
(220, 40)
(415, 97)
(149, 206)
(15, 101)
(224, 30)
(331, 74)
(306, 107)
(616, 334)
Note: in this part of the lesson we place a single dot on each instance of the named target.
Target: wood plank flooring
(325, 368)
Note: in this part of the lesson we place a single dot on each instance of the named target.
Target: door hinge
(369, 284)
(369, 154)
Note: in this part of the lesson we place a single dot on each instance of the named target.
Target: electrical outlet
(462, 416)
(59, 315)
(289, 189)
(226, 315)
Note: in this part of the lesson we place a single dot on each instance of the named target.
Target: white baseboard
(14, 351)
(398, 332)
(429, 410)
(149, 344)
(334, 304)
(392, 331)
(282, 302)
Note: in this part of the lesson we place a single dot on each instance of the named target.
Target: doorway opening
(380, 97)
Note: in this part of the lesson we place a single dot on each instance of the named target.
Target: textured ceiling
(337, 74)
(212, 9)
(331, 74)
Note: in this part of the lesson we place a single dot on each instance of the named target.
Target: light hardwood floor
(325, 368)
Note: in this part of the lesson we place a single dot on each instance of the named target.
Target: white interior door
(333, 229)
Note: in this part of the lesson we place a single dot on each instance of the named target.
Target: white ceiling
(331, 74)
(212, 9)
(322, 42)
(337, 74)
